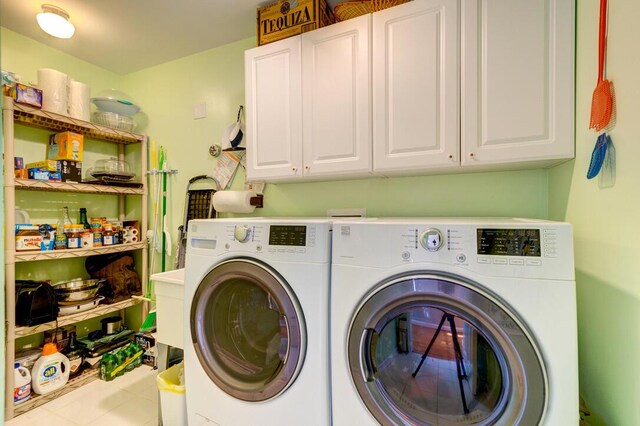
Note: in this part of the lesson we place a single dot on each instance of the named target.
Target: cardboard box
(38, 174)
(278, 20)
(65, 146)
(28, 95)
(49, 165)
(148, 342)
(70, 171)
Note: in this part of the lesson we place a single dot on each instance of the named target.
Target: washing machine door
(436, 350)
(247, 330)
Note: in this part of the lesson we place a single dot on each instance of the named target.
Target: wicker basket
(352, 9)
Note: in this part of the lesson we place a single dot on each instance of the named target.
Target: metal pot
(111, 325)
(77, 290)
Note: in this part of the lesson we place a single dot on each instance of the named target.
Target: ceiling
(129, 35)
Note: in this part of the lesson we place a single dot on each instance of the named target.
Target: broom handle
(602, 38)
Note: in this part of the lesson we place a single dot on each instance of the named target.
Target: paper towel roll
(79, 100)
(233, 201)
(130, 239)
(55, 90)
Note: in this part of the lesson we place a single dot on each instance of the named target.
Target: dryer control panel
(500, 247)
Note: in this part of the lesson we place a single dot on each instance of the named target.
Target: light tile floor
(131, 399)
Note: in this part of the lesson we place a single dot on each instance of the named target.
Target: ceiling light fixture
(55, 21)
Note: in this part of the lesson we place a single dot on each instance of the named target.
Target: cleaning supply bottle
(21, 383)
(51, 370)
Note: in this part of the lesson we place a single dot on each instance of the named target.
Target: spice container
(97, 239)
(74, 236)
(61, 239)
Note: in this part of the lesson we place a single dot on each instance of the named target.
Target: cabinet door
(517, 81)
(273, 110)
(415, 89)
(336, 101)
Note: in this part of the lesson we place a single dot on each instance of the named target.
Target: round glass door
(427, 350)
(247, 330)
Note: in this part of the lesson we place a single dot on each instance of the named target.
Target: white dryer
(256, 318)
(453, 322)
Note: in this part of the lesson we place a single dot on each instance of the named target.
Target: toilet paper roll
(132, 231)
(55, 90)
(233, 201)
(79, 100)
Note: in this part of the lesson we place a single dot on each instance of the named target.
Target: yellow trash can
(173, 401)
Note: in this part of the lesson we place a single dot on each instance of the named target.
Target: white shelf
(43, 185)
(12, 114)
(71, 253)
(37, 400)
(74, 318)
(35, 117)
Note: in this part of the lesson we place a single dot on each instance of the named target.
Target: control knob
(242, 233)
(431, 239)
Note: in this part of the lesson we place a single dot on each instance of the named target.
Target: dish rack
(353, 9)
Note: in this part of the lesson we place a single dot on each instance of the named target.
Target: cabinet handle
(450, 156)
(307, 167)
(471, 155)
(294, 169)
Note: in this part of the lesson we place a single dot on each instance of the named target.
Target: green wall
(605, 221)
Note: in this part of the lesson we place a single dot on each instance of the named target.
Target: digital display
(509, 242)
(287, 235)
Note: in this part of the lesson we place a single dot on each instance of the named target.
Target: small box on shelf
(71, 171)
(28, 95)
(65, 146)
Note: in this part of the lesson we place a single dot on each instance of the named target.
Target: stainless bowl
(77, 290)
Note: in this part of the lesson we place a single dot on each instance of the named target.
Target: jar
(28, 238)
(108, 235)
(74, 236)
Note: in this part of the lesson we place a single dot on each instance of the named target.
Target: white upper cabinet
(273, 98)
(309, 105)
(336, 100)
(517, 82)
(428, 86)
(416, 87)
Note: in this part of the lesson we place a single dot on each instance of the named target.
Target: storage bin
(169, 290)
(173, 401)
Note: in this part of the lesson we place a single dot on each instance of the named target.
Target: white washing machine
(256, 318)
(453, 322)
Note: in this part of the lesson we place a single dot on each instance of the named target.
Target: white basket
(112, 119)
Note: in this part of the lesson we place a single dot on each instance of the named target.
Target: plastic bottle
(108, 363)
(21, 383)
(51, 370)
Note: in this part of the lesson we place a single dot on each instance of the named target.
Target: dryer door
(431, 350)
(248, 330)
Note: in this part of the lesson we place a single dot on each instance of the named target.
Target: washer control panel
(295, 240)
